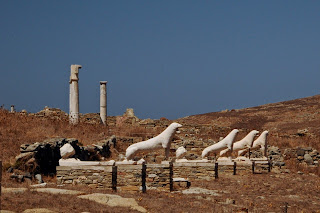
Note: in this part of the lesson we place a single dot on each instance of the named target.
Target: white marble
(259, 143)
(141, 161)
(126, 162)
(103, 102)
(77, 162)
(161, 141)
(244, 143)
(67, 151)
(224, 143)
(181, 152)
(74, 94)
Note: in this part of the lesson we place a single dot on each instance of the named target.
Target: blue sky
(162, 58)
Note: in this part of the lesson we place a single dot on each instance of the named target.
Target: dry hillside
(290, 123)
(294, 188)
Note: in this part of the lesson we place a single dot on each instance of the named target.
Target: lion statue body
(221, 145)
(244, 143)
(161, 141)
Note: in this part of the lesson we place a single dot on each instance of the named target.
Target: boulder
(308, 159)
(67, 151)
(300, 152)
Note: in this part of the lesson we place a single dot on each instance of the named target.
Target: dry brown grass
(267, 192)
(17, 129)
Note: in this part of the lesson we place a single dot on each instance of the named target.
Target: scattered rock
(114, 201)
(58, 191)
(230, 201)
(198, 190)
(308, 159)
(300, 158)
(300, 152)
(43, 157)
(41, 185)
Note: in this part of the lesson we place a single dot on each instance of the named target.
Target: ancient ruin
(161, 141)
(103, 102)
(12, 110)
(246, 142)
(227, 142)
(259, 143)
(74, 94)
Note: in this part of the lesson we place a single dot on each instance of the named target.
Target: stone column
(12, 109)
(103, 102)
(74, 94)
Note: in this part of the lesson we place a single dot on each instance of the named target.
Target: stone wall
(128, 176)
(158, 175)
(194, 171)
(95, 176)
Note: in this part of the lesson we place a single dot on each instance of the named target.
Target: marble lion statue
(259, 143)
(221, 145)
(161, 141)
(244, 143)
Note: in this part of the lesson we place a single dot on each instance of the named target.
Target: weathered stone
(58, 191)
(230, 201)
(38, 177)
(308, 159)
(314, 153)
(198, 190)
(300, 158)
(114, 201)
(24, 156)
(308, 149)
(300, 152)
(67, 151)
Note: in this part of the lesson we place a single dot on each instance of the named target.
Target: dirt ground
(266, 192)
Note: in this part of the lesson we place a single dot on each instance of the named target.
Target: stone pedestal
(74, 94)
(103, 102)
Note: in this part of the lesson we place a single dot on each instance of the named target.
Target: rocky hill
(294, 119)
(288, 117)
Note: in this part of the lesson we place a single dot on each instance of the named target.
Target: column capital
(103, 82)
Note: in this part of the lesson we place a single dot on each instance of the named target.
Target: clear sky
(162, 58)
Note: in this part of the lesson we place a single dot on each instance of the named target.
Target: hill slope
(288, 117)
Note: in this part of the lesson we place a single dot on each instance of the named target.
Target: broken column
(74, 94)
(103, 102)
(12, 109)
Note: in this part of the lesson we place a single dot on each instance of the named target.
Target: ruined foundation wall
(95, 176)
(194, 171)
(158, 175)
(155, 175)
